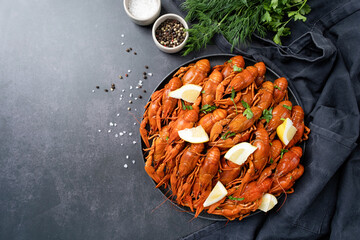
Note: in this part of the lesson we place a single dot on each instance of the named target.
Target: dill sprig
(238, 20)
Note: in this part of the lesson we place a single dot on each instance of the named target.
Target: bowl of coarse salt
(142, 12)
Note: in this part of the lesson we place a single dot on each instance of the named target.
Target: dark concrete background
(60, 178)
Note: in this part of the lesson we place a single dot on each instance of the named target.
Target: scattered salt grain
(127, 156)
(122, 35)
(133, 161)
(125, 165)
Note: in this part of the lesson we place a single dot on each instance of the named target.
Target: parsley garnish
(229, 61)
(234, 198)
(282, 119)
(207, 108)
(287, 107)
(282, 152)
(167, 138)
(232, 98)
(184, 107)
(267, 114)
(271, 161)
(247, 113)
(227, 135)
(277, 87)
(237, 69)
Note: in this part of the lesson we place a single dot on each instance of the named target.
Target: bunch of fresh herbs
(238, 20)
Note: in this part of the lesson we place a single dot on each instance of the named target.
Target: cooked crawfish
(228, 67)
(242, 79)
(279, 113)
(261, 73)
(169, 103)
(237, 104)
(241, 122)
(209, 89)
(194, 74)
(280, 90)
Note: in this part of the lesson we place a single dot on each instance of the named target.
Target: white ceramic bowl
(156, 25)
(145, 20)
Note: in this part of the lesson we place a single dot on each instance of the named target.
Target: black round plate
(217, 59)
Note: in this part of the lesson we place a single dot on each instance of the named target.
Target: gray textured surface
(60, 178)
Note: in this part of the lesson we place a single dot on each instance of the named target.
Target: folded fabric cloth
(321, 62)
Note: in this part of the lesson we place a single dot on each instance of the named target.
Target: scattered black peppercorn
(97, 87)
(121, 77)
(145, 77)
(126, 75)
(144, 91)
(140, 96)
(128, 50)
(135, 53)
(146, 66)
(106, 90)
(170, 33)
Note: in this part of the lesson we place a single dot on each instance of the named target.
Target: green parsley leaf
(229, 61)
(183, 105)
(203, 91)
(234, 198)
(233, 92)
(287, 107)
(167, 138)
(248, 113)
(267, 114)
(266, 17)
(237, 69)
(282, 119)
(227, 135)
(277, 87)
(232, 98)
(207, 108)
(271, 161)
(282, 152)
(245, 104)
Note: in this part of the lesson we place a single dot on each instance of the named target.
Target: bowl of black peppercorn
(169, 33)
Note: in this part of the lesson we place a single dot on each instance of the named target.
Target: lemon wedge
(268, 201)
(194, 135)
(286, 131)
(218, 193)
(240, 152)
(188, 92)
